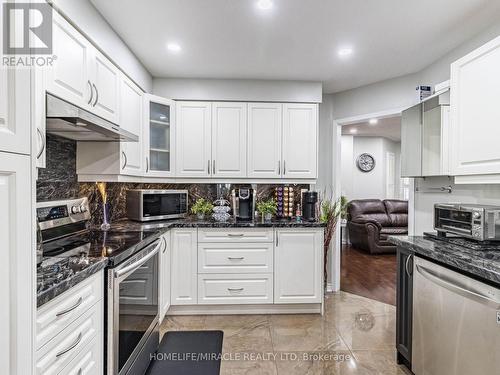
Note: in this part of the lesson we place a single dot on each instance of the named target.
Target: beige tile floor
(356, 335)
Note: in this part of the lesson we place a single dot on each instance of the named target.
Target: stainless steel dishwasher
(456, 323)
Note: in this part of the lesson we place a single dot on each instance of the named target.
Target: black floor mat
(188, 353)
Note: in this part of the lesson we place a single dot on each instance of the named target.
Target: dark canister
(309, 202)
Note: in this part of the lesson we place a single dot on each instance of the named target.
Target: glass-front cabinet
(159, 136)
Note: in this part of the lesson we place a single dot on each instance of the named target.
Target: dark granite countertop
(194, 223)
(481, 263)
(58, 274)
(99, 249)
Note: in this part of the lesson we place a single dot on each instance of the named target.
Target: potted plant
(201, 208)
(267, 209)
(330, 212)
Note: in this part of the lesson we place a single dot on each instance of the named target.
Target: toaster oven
(473, 221)
(149, 205)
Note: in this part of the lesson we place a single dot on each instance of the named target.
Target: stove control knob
(75, 209)
(83, 208)
(476, 215)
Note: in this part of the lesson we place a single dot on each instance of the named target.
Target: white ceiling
(387, 127)
(296, 39)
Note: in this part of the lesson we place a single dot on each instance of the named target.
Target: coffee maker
(309, 202)
(243, 203)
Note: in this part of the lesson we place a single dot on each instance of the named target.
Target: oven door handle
(140, 262)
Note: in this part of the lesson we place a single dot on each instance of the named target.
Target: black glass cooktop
(114, 245)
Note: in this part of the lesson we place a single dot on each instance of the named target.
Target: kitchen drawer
(236, 235)
(89, 361)
(235, 257)
(54, 356)
(57, 314)
(215, 289)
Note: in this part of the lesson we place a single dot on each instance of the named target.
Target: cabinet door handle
(42, 147)
(284, 167)
(164, 245)
(69, 309)
(96, 95)
(125, 160)
(236, 289)
(235, 234)
(208, 167)
(71, 347)
(279, 167)
(407, 269)
(235, 258)
(213, 166)
(147, 164)
(277, 242)
(91, 92)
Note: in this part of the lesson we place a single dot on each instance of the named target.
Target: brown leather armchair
(371, 221)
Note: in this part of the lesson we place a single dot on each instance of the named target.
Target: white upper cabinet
(264, 140)
(130, 119)
(69, 77)
(475, 111)
(81, 74)
(298, 266)
(229, 138)
(193, 146)
(300, 141)
(159, 136)
(14, 103)
(105, 78)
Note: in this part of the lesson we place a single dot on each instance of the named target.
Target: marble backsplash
(59, 181)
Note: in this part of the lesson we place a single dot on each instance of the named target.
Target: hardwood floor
(371, 276)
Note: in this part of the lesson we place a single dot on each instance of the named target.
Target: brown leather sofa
(371, 221)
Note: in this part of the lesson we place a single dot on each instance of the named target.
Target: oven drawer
(57, 314)
(236, 235)
(235, 258)
(235, 289)
(58, 352)
(88, 362)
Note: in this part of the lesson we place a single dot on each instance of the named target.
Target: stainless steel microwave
(473, 221)
(149, 205)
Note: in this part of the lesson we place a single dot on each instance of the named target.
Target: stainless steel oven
(148, 205)
(132, 308)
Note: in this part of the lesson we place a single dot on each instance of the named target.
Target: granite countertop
(58, 274)
(190, 222)
(61, 272)
(483, 263)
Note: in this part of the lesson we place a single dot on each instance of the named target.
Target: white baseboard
(312, 308)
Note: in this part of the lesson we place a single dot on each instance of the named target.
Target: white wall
(86, 18)
(326, 151)
(238, 90)
(356, 184)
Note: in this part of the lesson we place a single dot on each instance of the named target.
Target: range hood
(69, 121)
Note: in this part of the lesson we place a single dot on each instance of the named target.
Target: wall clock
(365, 162)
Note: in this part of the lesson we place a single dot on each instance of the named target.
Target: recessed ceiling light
(373, 121)
(344, 52)
(354, 131)
(173, 47)
(264, 4)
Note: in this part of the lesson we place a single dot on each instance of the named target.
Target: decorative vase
(200, 216)
(105, 217)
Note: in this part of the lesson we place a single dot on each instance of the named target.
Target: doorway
(369, 169)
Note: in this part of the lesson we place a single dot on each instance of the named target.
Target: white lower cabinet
(263, 267)
(298, 266)
(69, 337)
(184, 267)
(214, 289)
(164, 274)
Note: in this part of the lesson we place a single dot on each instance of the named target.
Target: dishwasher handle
(457, 287)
